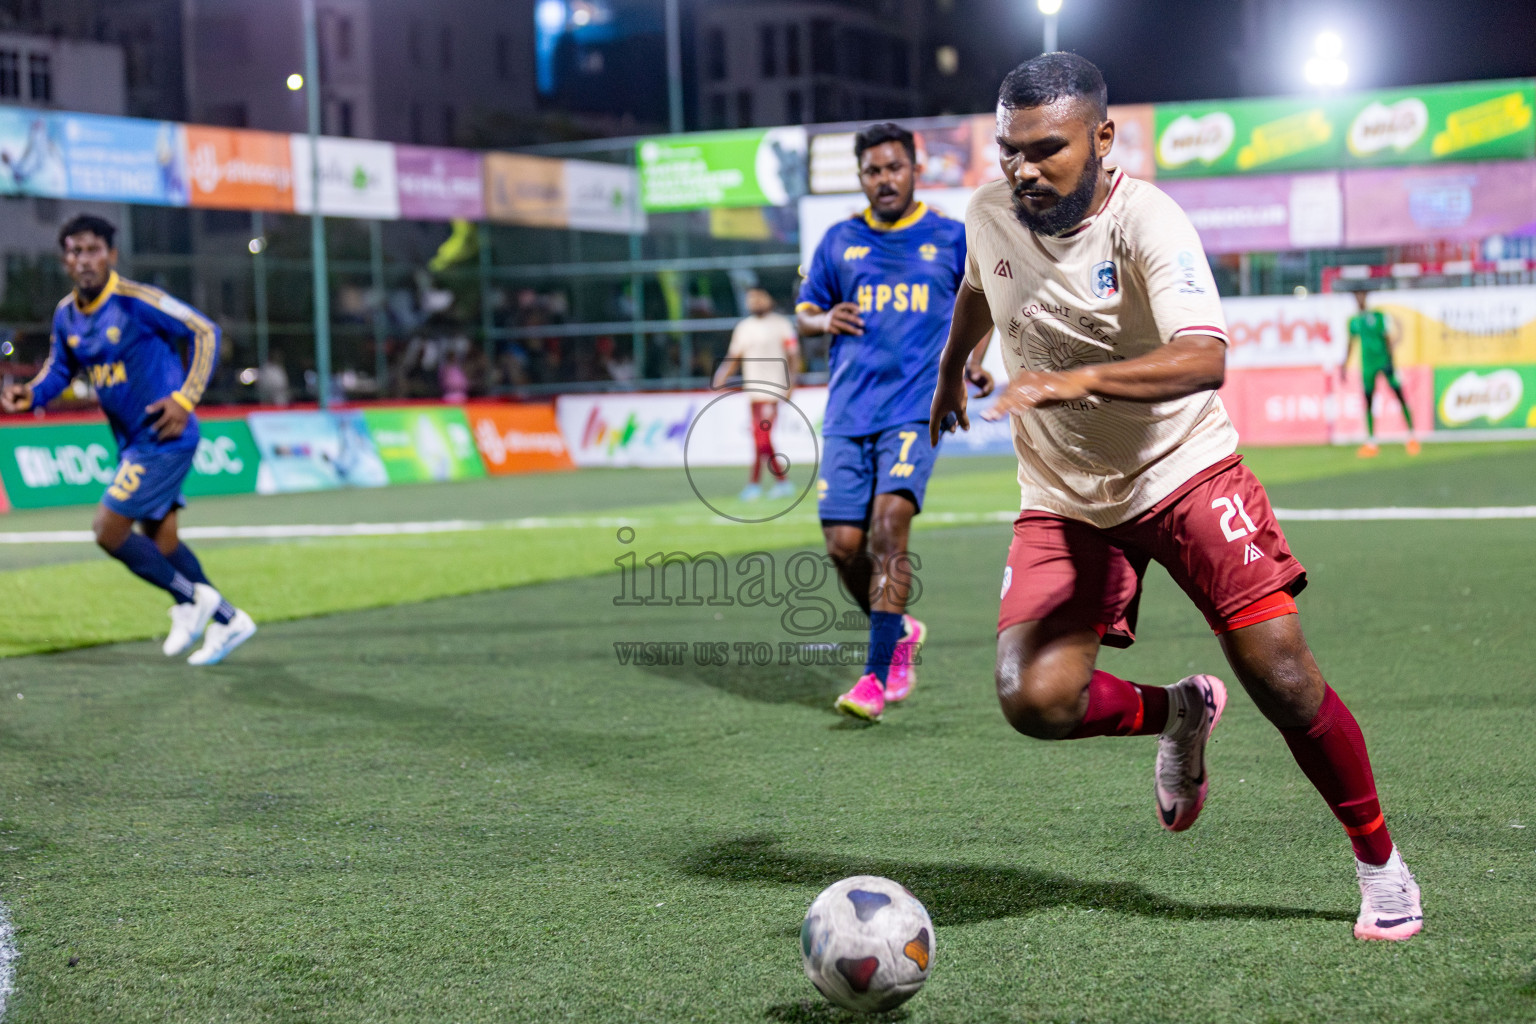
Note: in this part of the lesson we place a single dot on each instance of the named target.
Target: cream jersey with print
(1118, 285)
(766, 344)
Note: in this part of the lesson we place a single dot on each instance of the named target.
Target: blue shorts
(148, 483)
(854, 469)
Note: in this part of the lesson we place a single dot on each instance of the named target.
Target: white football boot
(1195, 704)
(1389, 901)
(224, 637)
(189, 620)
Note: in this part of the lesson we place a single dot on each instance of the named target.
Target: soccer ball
(867, 943)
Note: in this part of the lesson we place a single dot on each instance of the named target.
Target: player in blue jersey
(122, 336)
(883, 285)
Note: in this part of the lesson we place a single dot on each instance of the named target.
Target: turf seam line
(313, 530)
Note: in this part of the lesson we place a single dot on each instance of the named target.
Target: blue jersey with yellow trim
(904, 277)
(125, 342)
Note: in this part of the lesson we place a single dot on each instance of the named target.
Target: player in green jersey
(1377, 335)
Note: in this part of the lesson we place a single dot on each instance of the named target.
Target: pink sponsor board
(1396, 205)
(439, 184)
(1262, 213)
(1313, 405)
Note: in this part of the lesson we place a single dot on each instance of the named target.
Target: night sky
(1163, 50)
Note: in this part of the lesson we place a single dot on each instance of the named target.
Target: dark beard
(1069, 210)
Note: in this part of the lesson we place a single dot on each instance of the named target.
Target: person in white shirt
(1115, 345)
(765, 351)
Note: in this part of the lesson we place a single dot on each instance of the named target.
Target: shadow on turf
(807, 1011)
(768, 684)
(967, 893)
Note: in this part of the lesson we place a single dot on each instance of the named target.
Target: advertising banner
(1463, 326)
(72, 463)
(61, 464)
(313, 451)
(713, 428)
(1485, 397)
(943, 153)
(227, 460)
(124, 159)
(602, 197)
(1247, 136)
(818, 213)
(357, 178)
(757, 167)
(1264, 212)
(525, 190)
(518, 438)
(1281, 330)
(1281, 405)
(439, 184)
(230, 168)
(1390, 206)
(32, 154)
(424, 443)
(1472, 121)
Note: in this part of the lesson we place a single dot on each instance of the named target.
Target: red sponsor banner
(518, 438)
(5, 502)
(231, 168)
(1313, 405)
(1284, 405)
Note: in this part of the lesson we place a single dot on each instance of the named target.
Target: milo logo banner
(1482, 121)
(1477, 121)
(1484, 397)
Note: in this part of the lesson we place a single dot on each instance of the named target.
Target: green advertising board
(1485, 397)
(425, 443)
(72, 463)
(1477, 121)
(760, 167)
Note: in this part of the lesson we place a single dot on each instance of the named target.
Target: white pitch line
(318, 530)
(8, 956)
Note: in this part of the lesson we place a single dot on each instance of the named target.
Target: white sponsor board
(1281, 330)
(696, 428)
(603, 197)
(357, 178)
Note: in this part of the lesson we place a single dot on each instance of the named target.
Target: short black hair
(1052, 76)
(89, 222)
(883, 132)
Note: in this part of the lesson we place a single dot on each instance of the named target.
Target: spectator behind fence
(272, 381)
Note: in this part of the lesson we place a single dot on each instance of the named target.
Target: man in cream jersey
(1115, 344)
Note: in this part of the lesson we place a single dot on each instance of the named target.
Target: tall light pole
(1049, 8)
(674, 68)
(316, 217)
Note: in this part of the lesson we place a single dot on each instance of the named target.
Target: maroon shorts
(1216, 535)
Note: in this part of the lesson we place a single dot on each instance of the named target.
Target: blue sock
(884, 634)
(187, 564)
(141, 556)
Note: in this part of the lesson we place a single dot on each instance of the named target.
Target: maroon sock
(1331, 752)
(1119, 708)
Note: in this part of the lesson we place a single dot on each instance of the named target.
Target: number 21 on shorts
(1232, 508)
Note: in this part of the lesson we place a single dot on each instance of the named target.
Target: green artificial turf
(468, 810)
(61, 596)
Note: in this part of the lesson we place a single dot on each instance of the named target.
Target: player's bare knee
(1040, 697)
(842, 550)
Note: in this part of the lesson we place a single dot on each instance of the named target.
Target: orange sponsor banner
(518, 438)
(231, 168)
(521, 189)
